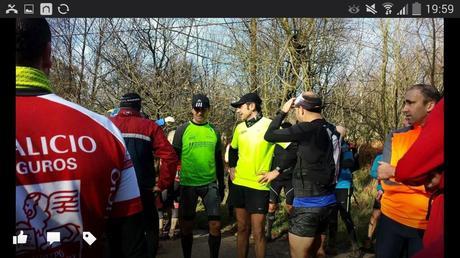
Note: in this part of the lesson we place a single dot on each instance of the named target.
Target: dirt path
(275, 249)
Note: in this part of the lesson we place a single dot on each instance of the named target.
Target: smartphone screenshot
(228, 129)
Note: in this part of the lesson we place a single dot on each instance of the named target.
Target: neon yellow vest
(254, 154)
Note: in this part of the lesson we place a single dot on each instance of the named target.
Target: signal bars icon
(387, 6)
(404, 10)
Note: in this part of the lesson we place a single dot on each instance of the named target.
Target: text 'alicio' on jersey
(72, 171)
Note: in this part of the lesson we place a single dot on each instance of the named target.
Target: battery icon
(416, 9)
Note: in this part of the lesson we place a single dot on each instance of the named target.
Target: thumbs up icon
(20, 239)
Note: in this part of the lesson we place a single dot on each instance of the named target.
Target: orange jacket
(404, 204)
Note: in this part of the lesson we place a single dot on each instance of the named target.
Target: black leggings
(343, 206)
(151, 225)
(397, 240)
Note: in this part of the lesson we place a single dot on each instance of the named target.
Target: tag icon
(88, 237)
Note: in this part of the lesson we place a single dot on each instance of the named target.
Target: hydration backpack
(336, 140)
(319, 178)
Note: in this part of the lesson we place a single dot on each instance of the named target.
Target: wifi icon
(387, 6)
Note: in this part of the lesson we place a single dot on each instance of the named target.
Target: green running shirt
(255, 154)
(198, 149)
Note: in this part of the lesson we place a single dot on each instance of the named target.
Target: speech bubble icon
(53, 237)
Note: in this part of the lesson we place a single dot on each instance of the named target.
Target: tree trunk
(253, 55)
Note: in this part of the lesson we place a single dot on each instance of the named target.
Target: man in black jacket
(314, 174)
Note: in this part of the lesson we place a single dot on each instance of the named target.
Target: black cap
(250, 97)
(200, 101)
(132, 100)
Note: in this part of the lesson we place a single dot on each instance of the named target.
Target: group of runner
(79, 171)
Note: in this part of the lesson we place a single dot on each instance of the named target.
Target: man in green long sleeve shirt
(198, 145)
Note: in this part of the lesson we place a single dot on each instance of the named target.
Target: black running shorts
(254, 201)
(310, 222)
(209, 195)
(275, 190)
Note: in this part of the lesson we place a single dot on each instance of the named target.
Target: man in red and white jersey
(73, 172)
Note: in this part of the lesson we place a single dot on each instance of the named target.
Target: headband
(313, 104)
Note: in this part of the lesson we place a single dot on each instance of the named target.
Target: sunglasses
(202, 110)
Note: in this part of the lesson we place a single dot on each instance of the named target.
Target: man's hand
(156, 191)
(385, 171)
(433, 181)
(268, 177)
(288, 105)
(231, 172)
(169, 119)
(379, 195)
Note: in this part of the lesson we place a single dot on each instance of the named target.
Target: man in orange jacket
(428, 148)
(404, 207)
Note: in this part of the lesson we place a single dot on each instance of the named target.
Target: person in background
(230, 208)
(162, 208)
(375, 215)
(165, 121)
(173, 196)
(343, 193)
(168, 210)
(160, 122)
(146, 140)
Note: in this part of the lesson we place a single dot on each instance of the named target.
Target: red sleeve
(164, 150)
(427, 152)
